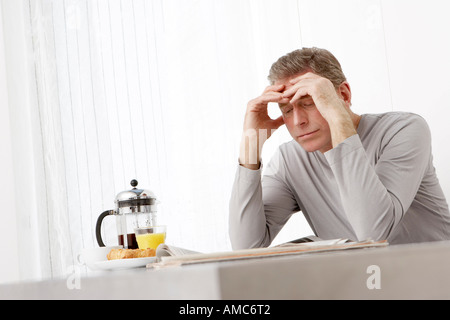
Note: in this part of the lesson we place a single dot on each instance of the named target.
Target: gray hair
(316, 60)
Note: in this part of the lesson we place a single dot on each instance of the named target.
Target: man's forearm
(249, 153)
(342, 125)
(247, 221)
(367, 204)
(251, 147)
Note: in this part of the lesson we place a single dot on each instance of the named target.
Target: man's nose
(300, 116)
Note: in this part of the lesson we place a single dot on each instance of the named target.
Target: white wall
(20, 142)
(9, 263)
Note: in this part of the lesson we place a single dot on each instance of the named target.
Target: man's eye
(286, 111)
(307, 103)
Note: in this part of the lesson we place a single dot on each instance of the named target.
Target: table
(413, 271)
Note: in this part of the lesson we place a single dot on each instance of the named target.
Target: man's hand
(258, 126)
(329, 101)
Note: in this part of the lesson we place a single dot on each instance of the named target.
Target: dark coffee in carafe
(131, 241)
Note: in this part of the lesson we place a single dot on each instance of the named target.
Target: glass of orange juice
(150, 237)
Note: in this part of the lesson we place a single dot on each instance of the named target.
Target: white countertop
(419, 271)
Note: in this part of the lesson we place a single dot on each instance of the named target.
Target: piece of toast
(115, 254)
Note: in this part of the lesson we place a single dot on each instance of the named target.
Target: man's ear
(345, 93)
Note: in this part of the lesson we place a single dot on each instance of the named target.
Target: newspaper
(165, 250)
(175, 256)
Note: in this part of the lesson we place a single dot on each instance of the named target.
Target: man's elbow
(375, 232)
(239, 242)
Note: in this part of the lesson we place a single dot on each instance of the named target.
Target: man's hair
(318, 61)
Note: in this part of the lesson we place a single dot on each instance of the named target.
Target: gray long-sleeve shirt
(378, 184)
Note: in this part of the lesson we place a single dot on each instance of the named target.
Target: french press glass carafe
(135, 208)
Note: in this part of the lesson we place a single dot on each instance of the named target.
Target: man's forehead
(289, 78)
(283, 105)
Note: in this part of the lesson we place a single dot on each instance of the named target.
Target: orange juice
(150, 240)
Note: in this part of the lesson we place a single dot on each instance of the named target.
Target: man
(353, 176)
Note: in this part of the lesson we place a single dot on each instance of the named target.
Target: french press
(135, 208)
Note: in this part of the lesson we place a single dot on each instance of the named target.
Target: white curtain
(156, 90)
(148, 90)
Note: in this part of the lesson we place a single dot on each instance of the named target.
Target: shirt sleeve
(259, 208)
(376, 197)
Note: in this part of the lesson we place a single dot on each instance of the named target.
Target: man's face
(305, 123)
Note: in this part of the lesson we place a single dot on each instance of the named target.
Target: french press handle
(98, 227)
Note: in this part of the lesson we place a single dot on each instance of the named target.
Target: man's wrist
(341, 126)
(251, 166)
(250, 151)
